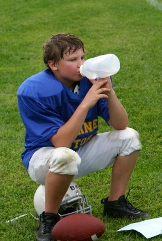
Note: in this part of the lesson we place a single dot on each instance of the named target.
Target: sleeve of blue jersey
(40, 121)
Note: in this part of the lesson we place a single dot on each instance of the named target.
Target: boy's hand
(100, 89)
(107, 84)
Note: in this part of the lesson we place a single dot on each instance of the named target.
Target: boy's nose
(80, 62)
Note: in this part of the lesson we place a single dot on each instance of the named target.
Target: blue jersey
(46, 104)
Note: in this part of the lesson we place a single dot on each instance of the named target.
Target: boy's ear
(52, 65)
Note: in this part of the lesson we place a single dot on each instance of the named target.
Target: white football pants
(100, 152)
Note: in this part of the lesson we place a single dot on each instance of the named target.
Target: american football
(78, 227)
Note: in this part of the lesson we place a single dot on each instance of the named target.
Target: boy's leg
(122, 170)
(120, 148)
(107, 148)
(54, 168)
(54, 195)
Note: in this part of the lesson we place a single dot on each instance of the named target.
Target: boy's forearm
(118, 115)
(70, 130)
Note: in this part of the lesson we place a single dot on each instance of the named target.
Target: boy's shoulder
(42, 84)
(41, 78)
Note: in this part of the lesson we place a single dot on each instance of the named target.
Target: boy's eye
(73, 59)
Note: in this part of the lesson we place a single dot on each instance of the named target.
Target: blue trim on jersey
(46, 104)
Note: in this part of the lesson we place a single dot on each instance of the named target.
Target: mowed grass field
(131, 30)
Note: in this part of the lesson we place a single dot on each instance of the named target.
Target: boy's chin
(79, 77)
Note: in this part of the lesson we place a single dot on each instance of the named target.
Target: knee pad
(64, 161)
(131, 141)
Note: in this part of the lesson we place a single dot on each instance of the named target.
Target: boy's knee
(131, 141)
(64, 161)
(129, 133)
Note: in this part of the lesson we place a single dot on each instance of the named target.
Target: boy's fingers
(92, 81)
(95, 81)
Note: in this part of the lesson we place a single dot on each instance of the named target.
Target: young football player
(60, 109)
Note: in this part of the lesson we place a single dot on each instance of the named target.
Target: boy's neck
(70, 85)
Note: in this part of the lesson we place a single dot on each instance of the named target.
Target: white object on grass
(16, 218)
(148, 228)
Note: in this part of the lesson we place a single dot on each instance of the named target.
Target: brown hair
(60, 44)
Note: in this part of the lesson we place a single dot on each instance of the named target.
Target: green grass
(131, 30)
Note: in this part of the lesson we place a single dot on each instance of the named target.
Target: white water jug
(100, 67)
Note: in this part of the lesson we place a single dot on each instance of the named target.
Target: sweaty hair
(60, 44)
